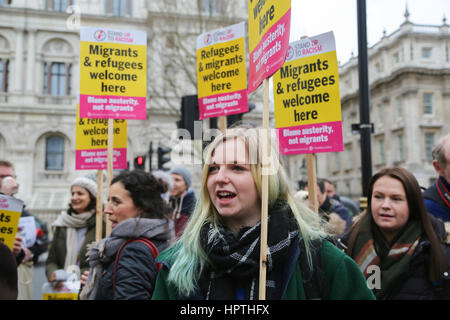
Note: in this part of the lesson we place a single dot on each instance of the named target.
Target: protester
(8, 274)
(218, 255)
(332, 211)
(73, 230)
(25, 255)
(183, 198)
(123, 265)
(437, 196)
(351, 206)
(398, 238)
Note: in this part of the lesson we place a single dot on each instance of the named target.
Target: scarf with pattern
(393, 259)
(235, 258)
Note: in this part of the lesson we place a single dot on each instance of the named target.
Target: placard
(269, 24)
(306, 97)
(113, 73)
(92, 141)
(10, 212)
(221, 72)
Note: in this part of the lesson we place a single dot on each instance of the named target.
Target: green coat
(344, 279)
(57, 249)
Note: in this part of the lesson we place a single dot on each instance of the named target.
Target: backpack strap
(148, 243)
(314, 281)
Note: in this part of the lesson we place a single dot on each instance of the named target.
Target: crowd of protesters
(167, 244)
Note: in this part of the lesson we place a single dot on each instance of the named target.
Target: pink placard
(97, 159)
(112, 107)
(270, 53)
(224, 104)
(311, 138)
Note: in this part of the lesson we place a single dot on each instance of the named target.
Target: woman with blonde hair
(217, 256)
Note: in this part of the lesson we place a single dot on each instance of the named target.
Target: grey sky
(318, 16)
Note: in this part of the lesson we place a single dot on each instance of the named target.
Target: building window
(428, 103)
(4, 72)
(119, 8)
(54, 153)
(337, 162)
(429, 144)
(396, 57)
(380, 113)
(57, 79)
(210, 7)
(426, 53)
(378, 67)
(59, 5)
(349, 159)
(400, 148)
(399, 107)
(4, 2)
(381, 151)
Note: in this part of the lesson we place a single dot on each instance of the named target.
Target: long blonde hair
(190, 259)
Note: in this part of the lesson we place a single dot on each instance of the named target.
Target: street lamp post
(365, 127)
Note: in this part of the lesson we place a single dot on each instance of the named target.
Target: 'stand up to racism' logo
(208, 39)
(100, 35)
(290, 53)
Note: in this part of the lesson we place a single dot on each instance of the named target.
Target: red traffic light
(140, 160)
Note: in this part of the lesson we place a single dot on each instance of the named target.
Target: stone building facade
(39, 81)
(409, 76)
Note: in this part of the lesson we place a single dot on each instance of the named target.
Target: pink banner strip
(224, 104)
(312, 138)
(97, 159)
(270, 53)
(113, 107)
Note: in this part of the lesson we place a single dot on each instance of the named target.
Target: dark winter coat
(415, 283)
(434, 202)
(135, 264)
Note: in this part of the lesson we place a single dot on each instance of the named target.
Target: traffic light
(139, 163)
(189, 113)
(162, 158)
(150, 156)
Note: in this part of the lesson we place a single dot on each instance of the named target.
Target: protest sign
(92, 141)
(28, 232)
(113, 73)
(221, 72)
(306, 97)
(268, 32)
(69, 290)
(10, 212)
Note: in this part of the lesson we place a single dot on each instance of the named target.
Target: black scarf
(234, 260)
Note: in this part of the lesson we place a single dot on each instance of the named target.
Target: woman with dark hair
(398, 242)
(73, 230)
(123, 265)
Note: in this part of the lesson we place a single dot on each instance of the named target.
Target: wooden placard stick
(99, 208)
(264, 192)
(223, 123)
(110, 165)
(312, 177)
(312, 182)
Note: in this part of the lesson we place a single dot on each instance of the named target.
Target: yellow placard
(9, 220)
(113, 69)
(306, 91)
(262, 15)
(221, 68)
(92, 134)
(60, 296)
